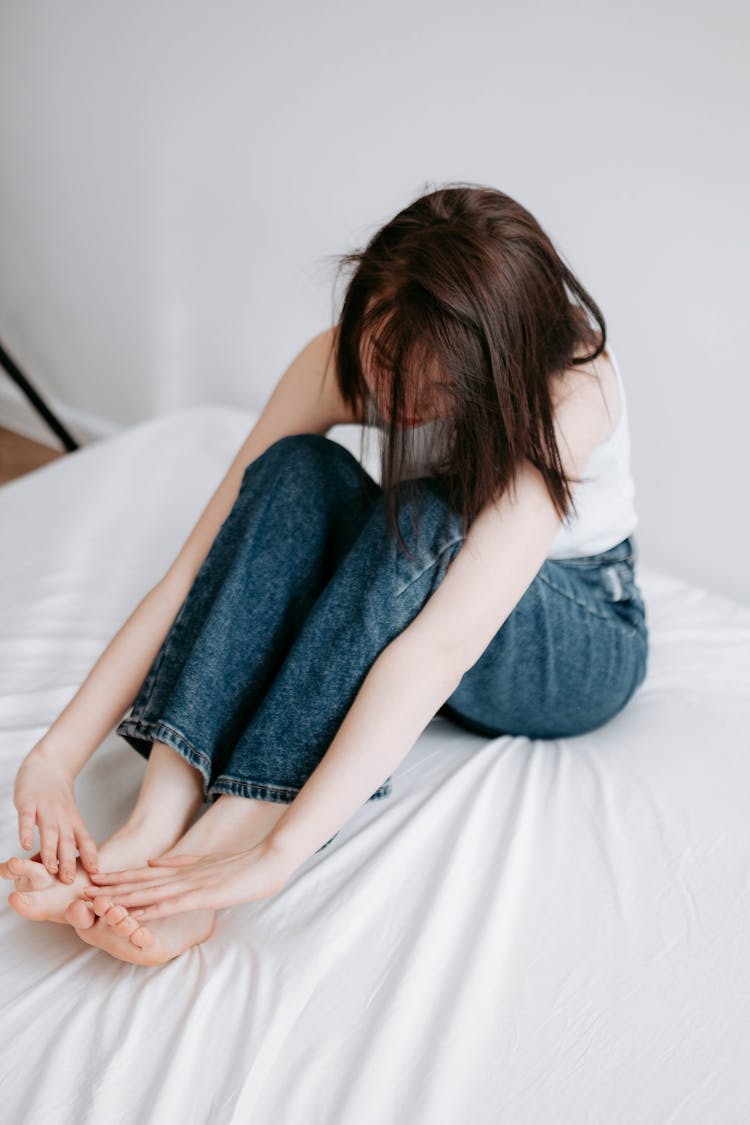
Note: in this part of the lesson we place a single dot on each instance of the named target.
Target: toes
(102, 904)
(115, 914)
(24, 904)
(12, 867)
(105, 938)
(78, 914)
(121, 921)
(127, 926)
(142, 937)
(35, 875)
(87, 933)
(16, 866)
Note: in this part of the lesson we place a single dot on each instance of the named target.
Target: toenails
(115, 914)
(142, 938)
(125, 926)
(102, 905)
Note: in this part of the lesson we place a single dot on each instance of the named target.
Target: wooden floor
(19, 455)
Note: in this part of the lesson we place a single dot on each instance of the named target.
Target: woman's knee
(430, 531)
(425, 519)
(305, 457)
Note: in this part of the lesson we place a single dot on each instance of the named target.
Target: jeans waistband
(624, 551)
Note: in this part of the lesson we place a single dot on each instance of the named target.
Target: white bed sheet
(524, 932)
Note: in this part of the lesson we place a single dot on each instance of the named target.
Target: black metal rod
(37, 401)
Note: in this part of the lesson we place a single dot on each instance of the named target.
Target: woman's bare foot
(116, 932)
(39, 896)
(42, 897)
(170, 797)
(231, 821)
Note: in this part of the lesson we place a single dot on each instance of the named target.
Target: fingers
(123, 888)
(87, 849)
(26, 821)
(146, 896)
(50, 834)
(174, 860)
(188, 900)
(133, 875)
(67, 852)
(58, 843)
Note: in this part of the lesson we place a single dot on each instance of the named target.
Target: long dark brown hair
(464, 291)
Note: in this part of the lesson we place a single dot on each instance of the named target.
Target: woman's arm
(377, 731)
(417, 672)
(503, 551)
(112, 684)
(403, 690)
(306, 399)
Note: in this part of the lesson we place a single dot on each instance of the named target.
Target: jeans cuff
(141, 733)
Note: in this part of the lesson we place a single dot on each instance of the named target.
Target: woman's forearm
(113, 682)
(403, 690)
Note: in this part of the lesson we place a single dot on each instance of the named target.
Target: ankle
(162, 822)
(231, 822)
(152, 836)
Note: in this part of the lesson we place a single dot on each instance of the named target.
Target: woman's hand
(43, 795)
(173, 884)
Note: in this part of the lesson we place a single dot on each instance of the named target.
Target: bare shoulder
(591, 389)
(586, 403)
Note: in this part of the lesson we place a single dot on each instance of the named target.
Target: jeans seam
(430, 565)
(585, 605)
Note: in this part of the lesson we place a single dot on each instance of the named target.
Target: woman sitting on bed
(315, 621)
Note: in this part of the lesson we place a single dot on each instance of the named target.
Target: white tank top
(606, 503)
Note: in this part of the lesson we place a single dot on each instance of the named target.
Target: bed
(524, 932)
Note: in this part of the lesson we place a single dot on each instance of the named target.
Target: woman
(315, 621)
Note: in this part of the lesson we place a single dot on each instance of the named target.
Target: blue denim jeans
(303, 587)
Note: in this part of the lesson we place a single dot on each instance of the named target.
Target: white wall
(174, 175)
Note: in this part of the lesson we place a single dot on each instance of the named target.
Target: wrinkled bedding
(525, 932)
